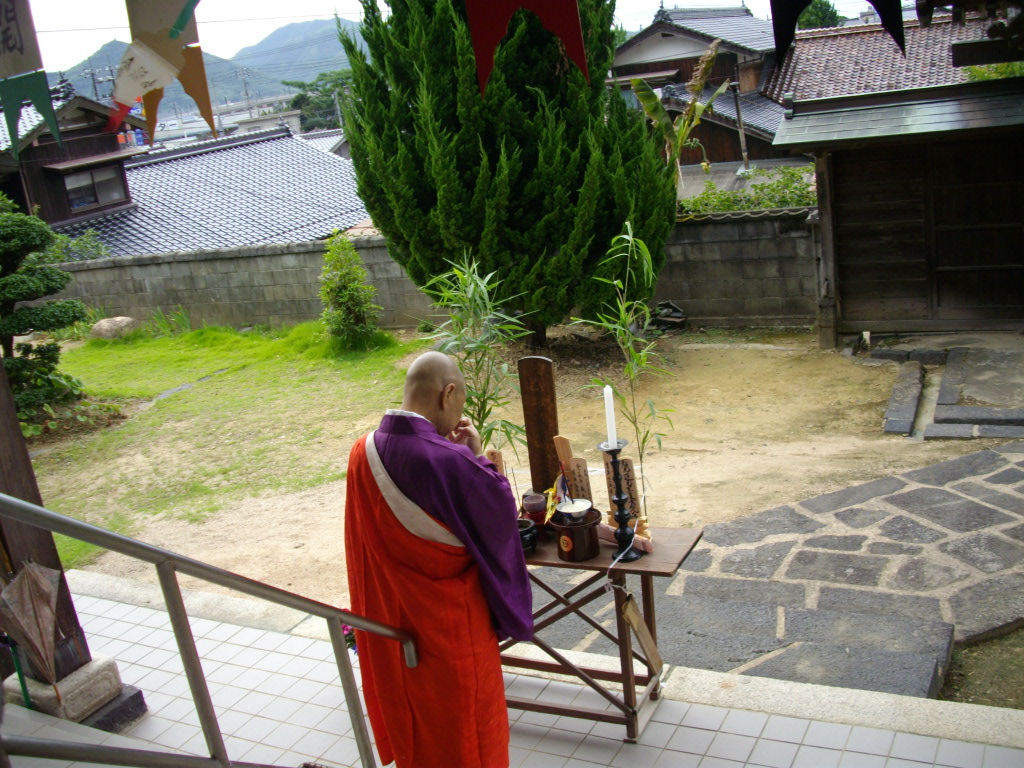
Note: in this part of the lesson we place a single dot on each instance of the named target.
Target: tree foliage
(818, 15)
(27, 274)
(785, 187)
(532, 177)
(996, 71)
(350, 313)
(677, 132)
(24, 277)
(319, 99)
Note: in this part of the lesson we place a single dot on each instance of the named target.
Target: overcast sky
(70, 30)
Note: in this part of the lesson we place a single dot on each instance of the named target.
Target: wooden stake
(628, 487)
(579, 479)
(540, 415)
(496, 459)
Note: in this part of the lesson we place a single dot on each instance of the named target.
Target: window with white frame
(95, 187)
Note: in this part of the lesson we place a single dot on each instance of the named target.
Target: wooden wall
(724, 69)
(930, 236)
(46, 187)
(722, 145)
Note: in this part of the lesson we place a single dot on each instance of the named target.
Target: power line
(357, 16)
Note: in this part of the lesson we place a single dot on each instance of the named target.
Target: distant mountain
(298, 51)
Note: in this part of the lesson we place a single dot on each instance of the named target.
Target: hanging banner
(141, 70)
(167, 31)
(21, 67)
(488, 23)
(19, 49)
(786, 12)
(31, 87)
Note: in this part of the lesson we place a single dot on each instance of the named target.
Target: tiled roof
(325, 140)
(905, 115)
(260, 188)
(680, 14)
(759, 112)
(29, 121)
(746, 32)
(863, 59)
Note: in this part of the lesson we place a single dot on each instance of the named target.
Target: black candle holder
(623, 534)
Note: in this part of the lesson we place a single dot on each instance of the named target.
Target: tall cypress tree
(535, 177)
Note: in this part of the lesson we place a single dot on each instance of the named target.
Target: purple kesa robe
(468, 495)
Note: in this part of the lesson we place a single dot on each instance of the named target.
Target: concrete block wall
(736, 271)
(742, 271)
(249, 285)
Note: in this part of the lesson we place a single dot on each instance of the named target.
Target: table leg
(626, 658)
(647, 596)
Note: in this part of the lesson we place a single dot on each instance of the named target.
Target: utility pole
(92, 72)
(337, 108)
(243, 74)
(739, 122)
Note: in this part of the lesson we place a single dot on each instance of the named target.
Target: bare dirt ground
(760, 420)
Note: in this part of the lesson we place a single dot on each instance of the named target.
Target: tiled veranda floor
(279, 701)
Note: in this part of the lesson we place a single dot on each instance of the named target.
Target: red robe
(408, 570)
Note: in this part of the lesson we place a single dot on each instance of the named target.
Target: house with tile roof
(666, 53)
(79, 176)
(920, 178)
(258, 188)
(329, 140)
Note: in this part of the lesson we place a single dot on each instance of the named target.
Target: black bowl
(528, 535)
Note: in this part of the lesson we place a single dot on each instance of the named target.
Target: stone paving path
(867, 587)
(980, 393)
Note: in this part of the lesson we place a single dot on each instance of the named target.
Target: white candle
(609, 416)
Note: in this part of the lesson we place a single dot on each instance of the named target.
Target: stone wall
(743, 269)
(250, 285)
(729, 270)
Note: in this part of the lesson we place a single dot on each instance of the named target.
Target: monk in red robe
(432, 547)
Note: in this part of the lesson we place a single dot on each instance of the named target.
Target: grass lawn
(262, 412)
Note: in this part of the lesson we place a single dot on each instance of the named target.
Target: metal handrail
(168, 565)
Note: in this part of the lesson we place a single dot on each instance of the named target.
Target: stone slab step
(977, 414)
(705, 632)
(906, 393)
(907, 674)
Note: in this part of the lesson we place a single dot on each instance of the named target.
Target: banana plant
(677, 132)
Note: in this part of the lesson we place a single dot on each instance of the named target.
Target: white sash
(413, 519)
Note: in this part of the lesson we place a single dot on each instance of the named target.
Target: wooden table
(671, 546)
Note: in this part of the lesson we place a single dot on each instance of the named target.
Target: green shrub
(82, 248)
(785, 187)
(350, 314)
(79, 331)
(173, 324)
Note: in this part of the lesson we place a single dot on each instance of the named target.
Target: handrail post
(348, 685)
(190, 660)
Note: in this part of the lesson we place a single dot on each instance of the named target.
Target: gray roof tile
(759, 112)
(747, 32)
(915, 113)
(843, 61)
(261, 188)
(325, 140)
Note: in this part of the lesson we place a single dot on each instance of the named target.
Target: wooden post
(540, 415)
(21, 543)
(828, 291)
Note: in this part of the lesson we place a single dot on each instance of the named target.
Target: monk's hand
(465, 434)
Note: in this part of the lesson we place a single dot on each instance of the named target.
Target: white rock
(113, 327)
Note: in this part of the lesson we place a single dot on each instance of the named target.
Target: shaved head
(429, 374)
(435, 388)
